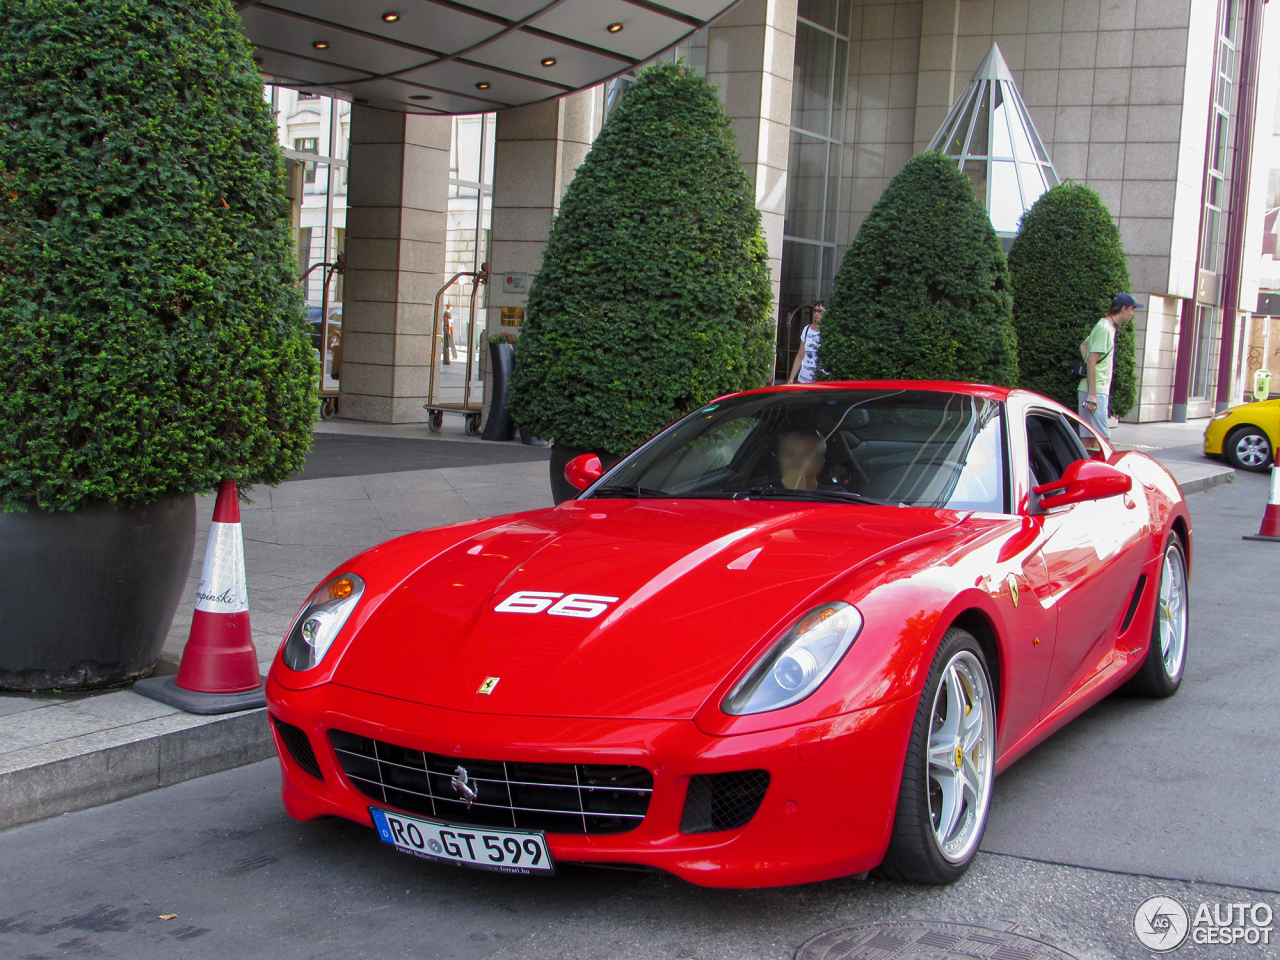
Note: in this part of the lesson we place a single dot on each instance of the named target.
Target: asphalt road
(1134, 799)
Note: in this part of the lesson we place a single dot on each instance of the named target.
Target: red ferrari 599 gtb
(794, 636)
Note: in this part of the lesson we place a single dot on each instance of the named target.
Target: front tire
(949, 771)
(1248, 448)
(1161, 672)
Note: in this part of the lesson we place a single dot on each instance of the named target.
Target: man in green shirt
(1098, 352)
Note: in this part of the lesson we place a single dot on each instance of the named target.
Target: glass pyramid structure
(990, 134)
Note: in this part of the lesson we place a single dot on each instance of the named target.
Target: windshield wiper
(629, 490)
(821, 495)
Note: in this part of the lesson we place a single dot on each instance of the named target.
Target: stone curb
(1200, 484)
(95, 777)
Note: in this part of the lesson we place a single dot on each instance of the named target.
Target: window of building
(1204, 360)
(820, 79)
(316, 130)
(467, 233)
(990, 133)
(307, 145)
(1217, 186)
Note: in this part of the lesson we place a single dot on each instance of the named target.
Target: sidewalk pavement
(363, 484)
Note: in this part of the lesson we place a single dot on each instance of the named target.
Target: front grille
(299, 746)
(723, 801)
(556, 797)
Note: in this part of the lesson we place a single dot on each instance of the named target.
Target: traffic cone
(1270, 529)
(219, 668)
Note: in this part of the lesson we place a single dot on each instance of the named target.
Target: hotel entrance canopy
(450, 57)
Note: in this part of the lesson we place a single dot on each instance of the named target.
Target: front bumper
(1215, 435)
(824, 816)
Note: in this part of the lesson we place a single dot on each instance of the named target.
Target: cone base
(1261, 536)
(167, 691)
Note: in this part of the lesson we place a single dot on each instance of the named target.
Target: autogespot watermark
(1163, 923)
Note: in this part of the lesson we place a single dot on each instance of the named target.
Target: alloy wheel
(1172, 611)
(961, 756)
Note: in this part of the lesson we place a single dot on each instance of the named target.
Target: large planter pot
(89, 595)
(562, 489)
(498, 426)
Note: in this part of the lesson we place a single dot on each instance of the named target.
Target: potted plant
(654, 293)
(153, 340)
(923, 290)
(1067, 263)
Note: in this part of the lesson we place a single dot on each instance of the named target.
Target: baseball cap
(1126, 300)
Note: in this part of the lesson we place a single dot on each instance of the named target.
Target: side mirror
(1081, 481)
(583, 470)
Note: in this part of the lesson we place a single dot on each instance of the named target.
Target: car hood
(698, 585)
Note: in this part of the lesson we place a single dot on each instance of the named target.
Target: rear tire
(1248, 448)
(1161, 672)
(944, 801)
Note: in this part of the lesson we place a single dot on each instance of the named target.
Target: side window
(1052, 446)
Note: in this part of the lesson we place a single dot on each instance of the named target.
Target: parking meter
(1262, 384)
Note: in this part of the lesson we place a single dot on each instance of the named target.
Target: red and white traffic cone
(1270, 529)
(219, 669)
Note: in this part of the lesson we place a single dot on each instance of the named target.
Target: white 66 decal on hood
(584, 605)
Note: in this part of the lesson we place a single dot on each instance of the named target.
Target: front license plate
(504, 851)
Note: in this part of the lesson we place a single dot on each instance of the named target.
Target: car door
(1093, 555)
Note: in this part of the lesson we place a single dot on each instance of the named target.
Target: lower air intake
(723, 801)
(298, 744)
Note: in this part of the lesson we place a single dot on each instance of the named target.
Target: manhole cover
(925, 940)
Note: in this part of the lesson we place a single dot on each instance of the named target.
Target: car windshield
(921, 448)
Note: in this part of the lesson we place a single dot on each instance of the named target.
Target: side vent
(298, 744)
(1133, 604)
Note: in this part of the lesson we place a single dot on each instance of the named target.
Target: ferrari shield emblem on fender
(1013, 589)
(486, 688)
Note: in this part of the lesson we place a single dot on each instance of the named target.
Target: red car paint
(702, 588)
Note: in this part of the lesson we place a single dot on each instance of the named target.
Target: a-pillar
(395, 262)
(537, 150)
(750, 57)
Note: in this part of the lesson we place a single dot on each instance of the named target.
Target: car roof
(942, 386)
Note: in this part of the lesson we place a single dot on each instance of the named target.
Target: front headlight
(798, 663)
(320, 620)
(1221, 416)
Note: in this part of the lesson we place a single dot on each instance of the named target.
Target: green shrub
(923, 290)
(1067, 263)
(654, 294)
(152, 335)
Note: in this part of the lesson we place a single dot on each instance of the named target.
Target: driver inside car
(801, 457)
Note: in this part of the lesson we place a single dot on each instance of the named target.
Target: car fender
(894, 650)
(384, 568)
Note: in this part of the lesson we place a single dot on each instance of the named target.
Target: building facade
(1154, 104)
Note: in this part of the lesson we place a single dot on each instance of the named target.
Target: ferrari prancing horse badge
(1013, 589)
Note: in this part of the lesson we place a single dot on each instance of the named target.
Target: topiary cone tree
(1067, 263)
(654, 293)
(923, 290)
(152, 332)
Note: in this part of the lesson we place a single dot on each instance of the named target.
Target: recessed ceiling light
(390, 17)
(321, 44)
(614, 28)
(548, 61)
(482, 85)
(419, 96)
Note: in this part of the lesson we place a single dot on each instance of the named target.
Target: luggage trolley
(437, 409)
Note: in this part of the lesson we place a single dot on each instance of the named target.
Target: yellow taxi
(1246, 435)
